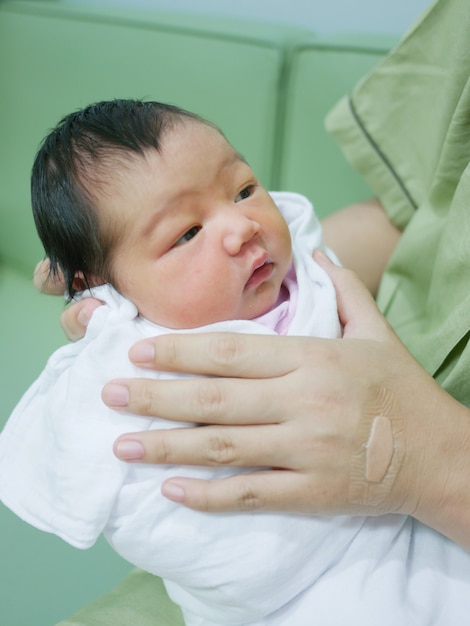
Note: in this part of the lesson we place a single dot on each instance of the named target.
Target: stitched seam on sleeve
(379, 152)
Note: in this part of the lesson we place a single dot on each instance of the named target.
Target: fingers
(357, 309)
(263, 490)
(219, 354)
(257, 491)
(206, 401)
(209, 446)
(75, 318)
(45, 282)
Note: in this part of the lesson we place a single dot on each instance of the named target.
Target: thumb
(46, 282)
(75, 318)
(358, 312)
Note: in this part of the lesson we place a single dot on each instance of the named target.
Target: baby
(150, 209)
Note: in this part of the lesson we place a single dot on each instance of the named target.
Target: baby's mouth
(261, 272)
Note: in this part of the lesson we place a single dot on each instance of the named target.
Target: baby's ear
(80, 283)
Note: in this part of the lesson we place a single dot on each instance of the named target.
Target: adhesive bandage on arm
(377, 460)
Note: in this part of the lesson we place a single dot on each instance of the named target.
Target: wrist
(439, 460)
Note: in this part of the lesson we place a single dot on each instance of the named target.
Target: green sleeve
(406, 128)
(394, 126)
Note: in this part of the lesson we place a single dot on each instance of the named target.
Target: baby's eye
(245, 193)
(188, 235)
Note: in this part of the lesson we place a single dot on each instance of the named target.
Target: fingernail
(321, 257)
(143, 352)
(129, 450)
(84, 317)
(173, 492)
(115, 396)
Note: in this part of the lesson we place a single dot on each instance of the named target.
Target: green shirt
(406, 129)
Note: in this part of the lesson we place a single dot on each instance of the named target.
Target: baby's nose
(239, 232)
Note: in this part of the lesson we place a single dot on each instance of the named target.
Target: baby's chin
(281, 296)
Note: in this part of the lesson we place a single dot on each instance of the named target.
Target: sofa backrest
(266, 86)
(320, 73)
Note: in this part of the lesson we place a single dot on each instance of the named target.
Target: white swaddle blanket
(58, 472)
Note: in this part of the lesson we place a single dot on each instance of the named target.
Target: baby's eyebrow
(167, 209)
(241, 157)
(155, 218)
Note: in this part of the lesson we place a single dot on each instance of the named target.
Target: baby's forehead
(186, 150)
(201, 141)
(207, 130)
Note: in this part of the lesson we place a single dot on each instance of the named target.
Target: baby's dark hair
(72, 161)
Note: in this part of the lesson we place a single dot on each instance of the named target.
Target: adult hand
(352, 425)
(74, 319)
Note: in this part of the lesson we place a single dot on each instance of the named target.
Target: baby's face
(200, 239)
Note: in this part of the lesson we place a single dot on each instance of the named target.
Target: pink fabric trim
(281, 315)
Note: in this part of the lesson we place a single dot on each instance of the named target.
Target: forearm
(363, 238)
(443, 492)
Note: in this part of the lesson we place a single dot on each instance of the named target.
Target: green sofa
(268, 86)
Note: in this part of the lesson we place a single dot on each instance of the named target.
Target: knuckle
(348, 273)
(321, 351)
(168, 351)
(221, 449)
(209, 400)
(224, 349)
(248, 499)
(163, 453)
(144, 401)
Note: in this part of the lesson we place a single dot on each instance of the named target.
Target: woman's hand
(74, 319)
(344, 426)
